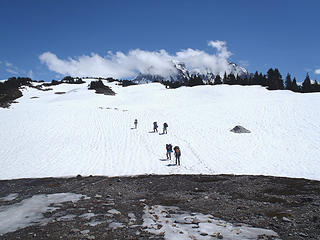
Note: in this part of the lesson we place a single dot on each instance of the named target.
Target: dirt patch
(290, 207)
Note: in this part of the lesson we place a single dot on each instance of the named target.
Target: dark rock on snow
(239, 129)
(101, 88)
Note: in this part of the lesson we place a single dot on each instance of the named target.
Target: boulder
(239, 129)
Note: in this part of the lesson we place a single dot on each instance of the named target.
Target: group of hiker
(176, 149)
(165, 127)
(177, 153)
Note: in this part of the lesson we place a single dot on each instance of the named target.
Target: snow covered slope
(80, 132)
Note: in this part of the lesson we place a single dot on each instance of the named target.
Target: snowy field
(81, 132)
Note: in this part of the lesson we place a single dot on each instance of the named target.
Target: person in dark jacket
(135, 123)
(165, 126)
(155, 127)
(169, 150)
(177, 154)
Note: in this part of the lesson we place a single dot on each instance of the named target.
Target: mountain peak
(182, 73)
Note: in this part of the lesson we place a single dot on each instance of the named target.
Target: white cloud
(122, 65)
(11, 71)
(317, 71)
(8, 64)
(10, 68)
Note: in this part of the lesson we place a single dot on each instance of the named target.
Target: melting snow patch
(132, 217)
(175, 224)
(115, 225)
(10, 197)
(114, 211)
(66, 218)
(30, 211)
(94, 223)
(87, 215)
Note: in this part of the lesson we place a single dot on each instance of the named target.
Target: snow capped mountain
(238, 70)
(181, 74)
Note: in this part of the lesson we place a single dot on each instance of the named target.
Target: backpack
(165, 125)
(177, 150)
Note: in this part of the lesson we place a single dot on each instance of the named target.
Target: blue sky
(259, 34)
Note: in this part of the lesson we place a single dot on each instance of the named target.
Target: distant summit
(182, 74)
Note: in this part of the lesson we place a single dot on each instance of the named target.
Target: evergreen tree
(231, 79)
(225, 79)
(195, 80)
(217, 80)
(274, 80)
(279, 79)
(262, 80)
(295, 87)
(255, 79)
(245, 80)
(288, 82)
(306, 85)
(315, 86)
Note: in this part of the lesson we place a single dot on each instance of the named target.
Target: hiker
(165, 126)
(169, 150)
(155, 127)
(135, 123)
(177, 154)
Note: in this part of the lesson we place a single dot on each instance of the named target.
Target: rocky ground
(290, 207)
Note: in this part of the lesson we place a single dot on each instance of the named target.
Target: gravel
(290, 207)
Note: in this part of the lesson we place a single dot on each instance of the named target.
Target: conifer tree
(315, 86)
(274, 80)
(279, 79)
(295, 87)
(217, 80)
(306, 85)
(231, 79)
(288, 82)
(262, 79)
(225, 79)
(195, 80)
(255, 79)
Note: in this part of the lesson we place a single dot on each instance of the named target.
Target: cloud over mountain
(128, 65)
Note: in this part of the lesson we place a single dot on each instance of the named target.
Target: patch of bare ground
(288, 206)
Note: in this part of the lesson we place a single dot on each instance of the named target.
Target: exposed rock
(240, 129)
(101, 88)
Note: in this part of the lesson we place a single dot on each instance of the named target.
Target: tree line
(272, 81)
